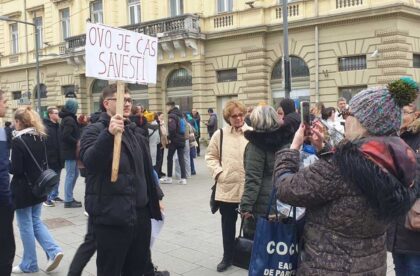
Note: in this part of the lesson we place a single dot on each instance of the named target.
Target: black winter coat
(53, 143)
(176, 138)
(25, 170)
(117, 203)
(70, 134)
(399, 239)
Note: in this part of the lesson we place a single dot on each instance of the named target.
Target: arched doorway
(179, 89)
(300, 80)
(139, 94)
(97, 87)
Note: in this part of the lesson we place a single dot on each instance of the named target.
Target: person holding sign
(121, 210)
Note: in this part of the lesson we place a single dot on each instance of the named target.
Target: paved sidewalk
(190, 243)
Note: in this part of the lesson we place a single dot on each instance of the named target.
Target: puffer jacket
(53, 143)
(399, 239)
(343, 234)
(231, 175)
(117, 203)
(259, 166)
(70, 135)
(175, 137)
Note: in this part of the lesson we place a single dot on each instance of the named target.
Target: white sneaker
(183, 181)
(53, 263)
(86, 213)
(17, 270)
(166, 180)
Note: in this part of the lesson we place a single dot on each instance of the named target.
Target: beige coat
(230, 183)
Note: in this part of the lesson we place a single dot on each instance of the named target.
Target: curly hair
(230, 106)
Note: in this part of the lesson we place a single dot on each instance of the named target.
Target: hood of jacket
(94, 117)
(269, 141)
(175, 111)
(385, 187)
(64, 113)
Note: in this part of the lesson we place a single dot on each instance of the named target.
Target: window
(349, 92)
(65, 23)
(224, 6)
(96, 12)
(176, 7)
(98, 85)
(69, 91)
(298, 68)
(43, 89)
(352, 63)
(39, 39)
(179, 78)
(16, 95)
(416, 60)
(134, 11)
(227, 75)
(14, 35)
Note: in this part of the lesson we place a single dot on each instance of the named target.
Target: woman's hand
(317, 137)
(299, 138)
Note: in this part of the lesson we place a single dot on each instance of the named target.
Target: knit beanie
(71, 106)
(379, 109)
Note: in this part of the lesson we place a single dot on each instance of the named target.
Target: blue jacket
(5, 194)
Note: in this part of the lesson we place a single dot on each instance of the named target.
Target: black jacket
(117, 203)
(400, 239)
(212, 124)
(70, 134)
(291, 124)
(53, 143)
(176, 138)
(24, 169)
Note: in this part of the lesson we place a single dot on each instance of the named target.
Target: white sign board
(118, 54)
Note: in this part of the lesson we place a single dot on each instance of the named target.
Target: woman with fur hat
(352, 194)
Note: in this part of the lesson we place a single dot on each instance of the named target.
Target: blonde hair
(264, 118)
(30, 118)
(230, 106)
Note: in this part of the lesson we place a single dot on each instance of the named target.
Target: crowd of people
(354, 173)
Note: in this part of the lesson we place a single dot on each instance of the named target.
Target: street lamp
(38, 90)
(287, 82)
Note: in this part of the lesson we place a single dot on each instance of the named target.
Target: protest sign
(124, 56)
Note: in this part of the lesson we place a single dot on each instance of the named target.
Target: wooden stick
(117, 138)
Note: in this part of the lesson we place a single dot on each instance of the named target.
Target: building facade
(211, 51)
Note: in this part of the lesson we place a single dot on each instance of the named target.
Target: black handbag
(48, 178)
(243, 249)
(214, 204)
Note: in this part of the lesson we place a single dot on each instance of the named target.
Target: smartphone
(305, 116)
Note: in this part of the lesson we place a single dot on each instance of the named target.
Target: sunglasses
(236, 116)
(126, 100)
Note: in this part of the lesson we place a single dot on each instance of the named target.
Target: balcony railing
(348, 3)
(293, 10)
(185, 23)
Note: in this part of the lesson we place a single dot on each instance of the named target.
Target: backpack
(182, 125)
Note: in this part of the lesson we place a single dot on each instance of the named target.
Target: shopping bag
(242, 250)
(157, 226)
(276, 245)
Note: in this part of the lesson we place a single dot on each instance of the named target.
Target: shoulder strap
(221, 146)
(30, 153)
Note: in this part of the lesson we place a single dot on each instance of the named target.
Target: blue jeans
(31, 227)
(54, 193)
(72, 172)
(406, 265)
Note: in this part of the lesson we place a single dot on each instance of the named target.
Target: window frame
(352, 87)
(40, 40)
(179, 5)
(14, 38)
(353, 63)
(416, 61)
(219, 72)
(65, 23)
(135, 6)
(98, 13)
(227, 6)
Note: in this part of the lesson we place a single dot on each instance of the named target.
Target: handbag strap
(221, 146)
(32, 156)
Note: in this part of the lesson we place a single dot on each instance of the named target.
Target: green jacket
(259, 160)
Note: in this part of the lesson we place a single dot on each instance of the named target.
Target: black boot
(223, 265)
